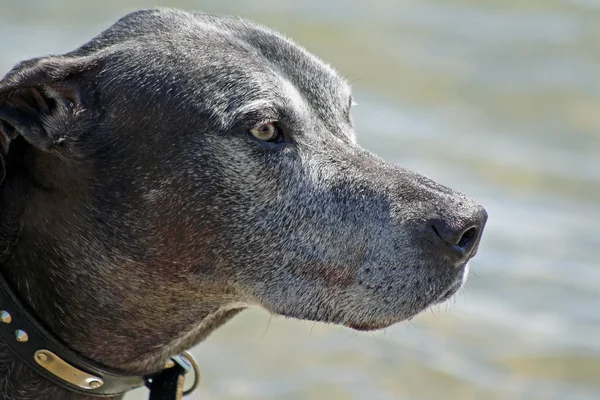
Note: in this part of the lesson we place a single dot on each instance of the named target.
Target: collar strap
(42, 352)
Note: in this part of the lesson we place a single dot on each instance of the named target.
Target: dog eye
(266, 132)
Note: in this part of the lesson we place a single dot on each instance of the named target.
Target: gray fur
(137, 206)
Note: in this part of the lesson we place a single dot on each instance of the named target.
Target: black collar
(42, 352)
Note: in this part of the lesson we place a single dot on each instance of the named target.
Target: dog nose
(460, 234)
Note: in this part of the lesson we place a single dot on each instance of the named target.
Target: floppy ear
(42, 100)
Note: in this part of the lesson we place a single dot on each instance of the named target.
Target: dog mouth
(445, 295)
(451, 291)
(367, 327)
(384, 316)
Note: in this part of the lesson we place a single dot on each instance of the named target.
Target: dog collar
(46, 355)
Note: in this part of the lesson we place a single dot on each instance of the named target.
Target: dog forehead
(315, 79)
(279, 68)
(235, 48)
(268, 57)
(219, 65)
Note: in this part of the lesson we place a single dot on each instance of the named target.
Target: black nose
(460, 233)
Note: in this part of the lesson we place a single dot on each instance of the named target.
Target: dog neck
(107, 308)
(18, 381)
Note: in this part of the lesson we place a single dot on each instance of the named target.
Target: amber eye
(266, 131)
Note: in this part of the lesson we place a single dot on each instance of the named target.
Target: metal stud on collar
(5, 317)
(21, 336)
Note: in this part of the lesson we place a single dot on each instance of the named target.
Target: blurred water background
(497, 98)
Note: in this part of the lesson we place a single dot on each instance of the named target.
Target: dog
(181, 167)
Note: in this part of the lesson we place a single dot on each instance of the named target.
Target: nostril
(459, 233)
(467, 237)
(459, 239)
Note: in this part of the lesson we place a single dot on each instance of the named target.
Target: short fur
(137, 214)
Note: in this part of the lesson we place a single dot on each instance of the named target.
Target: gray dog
(181, 167)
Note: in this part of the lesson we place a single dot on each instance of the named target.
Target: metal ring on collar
(196, 369)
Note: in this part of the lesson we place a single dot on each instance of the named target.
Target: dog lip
(366, 327)
(447, 293)
(450, 291)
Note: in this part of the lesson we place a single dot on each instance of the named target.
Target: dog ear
(41, 100)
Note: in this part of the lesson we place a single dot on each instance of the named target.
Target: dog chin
(379, 323)
(366, 327)
(456, 285)
(446, 295)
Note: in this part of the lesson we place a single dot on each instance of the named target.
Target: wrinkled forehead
(221, 66)
(249, 67)
(230, 66)
(316, 80)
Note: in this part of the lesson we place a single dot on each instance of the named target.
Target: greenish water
(500, 99)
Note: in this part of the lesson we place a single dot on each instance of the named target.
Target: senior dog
(181, 167)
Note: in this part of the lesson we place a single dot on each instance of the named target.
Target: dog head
(181, 166)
